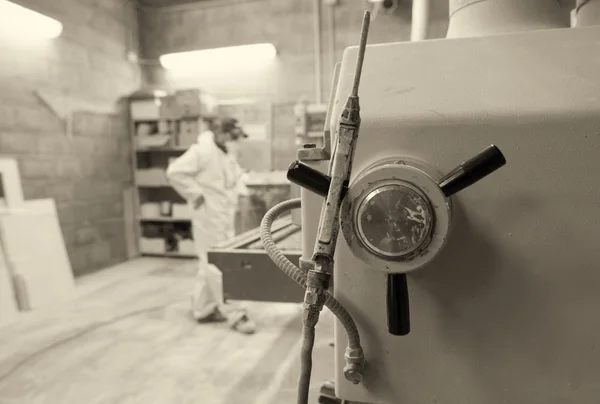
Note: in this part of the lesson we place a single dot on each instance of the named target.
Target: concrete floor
(127, 338)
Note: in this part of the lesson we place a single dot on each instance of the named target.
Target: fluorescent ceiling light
(20, 21)
(221, 60)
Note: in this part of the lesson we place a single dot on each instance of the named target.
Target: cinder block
(84, 189)
(101, 62)
(109, 229)
(67, 77)
(68, 167)
(90, 124)
(74, 214)
(53, 144)
(71, 53)
(17, 143)
(82, 146)
(8, 116)
(60, 190)
(86, 235)
(36, 167)
(108, 190)
(68, 233)
(35, 188)
(115, 8)
(118, 247)
(100, 253)
(107, 209)
(110, 29)
(118, 125)
(104, 210)
(79, 255)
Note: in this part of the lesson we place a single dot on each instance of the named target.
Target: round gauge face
(394, 221)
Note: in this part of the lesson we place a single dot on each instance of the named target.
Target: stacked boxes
(187, 108)
(194, 103)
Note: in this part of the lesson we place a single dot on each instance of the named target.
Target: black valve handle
(472, 170)
(308, 178)
(398, 309)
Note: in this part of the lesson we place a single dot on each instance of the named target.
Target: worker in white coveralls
(208, 176)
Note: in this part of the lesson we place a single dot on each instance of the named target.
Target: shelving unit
(310, 121)
(164, 127)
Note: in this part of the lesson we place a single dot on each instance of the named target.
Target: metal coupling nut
(355, 365)
(353, 373)
(310, 317)
(314, 297)
(317, 279)
(354, 355)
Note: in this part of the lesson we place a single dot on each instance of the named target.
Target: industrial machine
(445, 292)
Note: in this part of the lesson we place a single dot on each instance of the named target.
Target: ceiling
(158, 3)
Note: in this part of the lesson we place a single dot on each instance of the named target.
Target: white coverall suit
(205, 170)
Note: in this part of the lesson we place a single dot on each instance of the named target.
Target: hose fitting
(315, 296)
(355, 365)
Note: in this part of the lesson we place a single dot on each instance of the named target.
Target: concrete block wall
(85, 170)
(286, 23)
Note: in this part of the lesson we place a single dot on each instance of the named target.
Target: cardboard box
(145, 110)
(195, 103)
(149, 210)
(149, 141)
(151, 177)
(180, 211)
(167, 126)
(186, 246)
(169, 108)
(152, 245)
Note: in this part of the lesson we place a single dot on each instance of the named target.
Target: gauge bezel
(409, 173)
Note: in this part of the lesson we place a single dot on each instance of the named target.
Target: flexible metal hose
(308, 341)
(298, 275)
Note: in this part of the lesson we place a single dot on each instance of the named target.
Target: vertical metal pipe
(420, 20)
(587, 13)
(470, 18)
(317, 38)
(331, 35)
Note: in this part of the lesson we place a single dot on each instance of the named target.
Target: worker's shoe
(241, 323)
(215, 317)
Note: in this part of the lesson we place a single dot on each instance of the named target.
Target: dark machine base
(248, 272)
(327, 394)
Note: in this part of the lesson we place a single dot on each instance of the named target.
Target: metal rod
(317, 39)
(361, 53)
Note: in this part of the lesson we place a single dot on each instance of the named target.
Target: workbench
(249, 273)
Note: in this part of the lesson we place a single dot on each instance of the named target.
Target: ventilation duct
(588, 13)
(491, 17)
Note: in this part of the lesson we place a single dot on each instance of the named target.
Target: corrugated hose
(299, 277)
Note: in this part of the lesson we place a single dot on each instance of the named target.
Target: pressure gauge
(394, 216)
(395, 221)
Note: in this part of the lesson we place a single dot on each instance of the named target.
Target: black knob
(308, 178)
(398, 310)
(472, 171)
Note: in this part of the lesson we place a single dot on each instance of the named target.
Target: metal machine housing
(507, 312)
